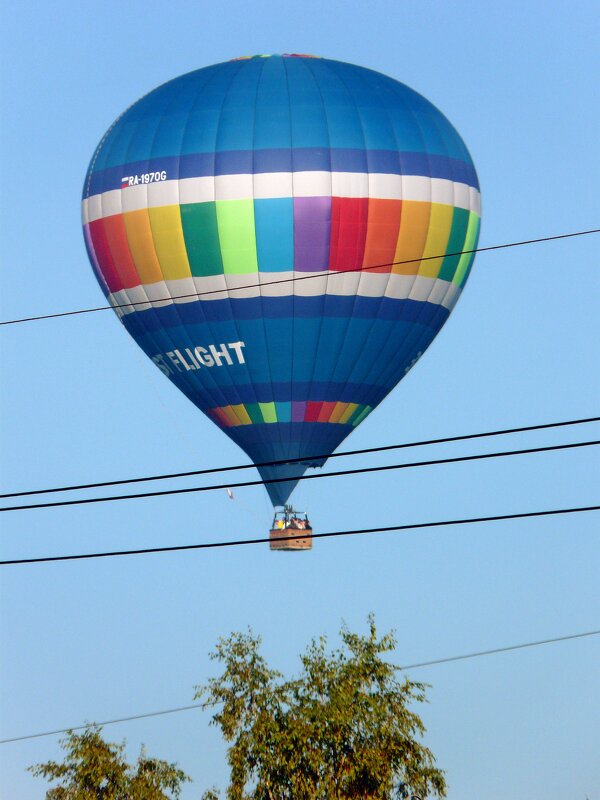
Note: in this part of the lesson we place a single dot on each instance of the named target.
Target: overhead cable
(421, 664)
(342, 454)
(309, 276)
(331, 534)
(337, 473)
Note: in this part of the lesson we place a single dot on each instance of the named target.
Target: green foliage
(96, 770)
(342, 729)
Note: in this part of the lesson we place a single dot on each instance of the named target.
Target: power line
(338, 473)
(495, 650)
(202, 706)
(309, 276)
(344, 453)
(106, 722)
(331, 534)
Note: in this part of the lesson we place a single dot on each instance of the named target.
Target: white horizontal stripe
(233, 187)
(438, 292)
(385, 187)
(273, 184)
(421, 288)
(111, 203)
(399, 286)
(281, 184)
(452, 296)
(136, 198)
(364, 285)
(184, 289)
(341, 284)
(197, 190)
(125, 296)
(212, 283)
(461, 197)
(349, 184)
(269, 287)
(162, 193)
(150, 195)
(312, 184)
(238, 286)
(474, 203)
(311, 287)
(92, 208)
(157, 292)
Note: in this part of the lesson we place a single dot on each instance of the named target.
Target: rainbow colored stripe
(268, 413)
(144, 237)
(304, 218)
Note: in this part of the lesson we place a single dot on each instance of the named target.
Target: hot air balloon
(283, 236)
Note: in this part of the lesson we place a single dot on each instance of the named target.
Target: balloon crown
(275, 55)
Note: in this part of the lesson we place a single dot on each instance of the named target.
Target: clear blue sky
(97, 640)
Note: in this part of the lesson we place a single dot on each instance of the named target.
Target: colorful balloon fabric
(271, 231)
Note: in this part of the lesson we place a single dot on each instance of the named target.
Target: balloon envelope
(271, 231)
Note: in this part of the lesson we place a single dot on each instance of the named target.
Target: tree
(342, 729)
(94, 769)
